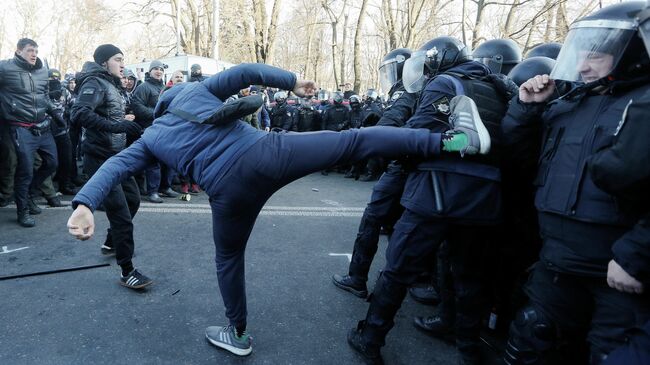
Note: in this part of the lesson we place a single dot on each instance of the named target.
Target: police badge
(442, 106)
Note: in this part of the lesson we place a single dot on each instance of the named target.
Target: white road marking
(272, 210)
(5, 250)
(348, 255)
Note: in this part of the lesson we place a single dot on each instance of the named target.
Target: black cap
(104, 52)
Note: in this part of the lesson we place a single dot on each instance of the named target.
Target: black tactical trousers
(121, 205)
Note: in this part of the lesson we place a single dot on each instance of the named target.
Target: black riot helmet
(355, 101)
(54, 74)
(390, 69)
(337, 97)
(371, 95)
(550, 50)
(604, 46)
(280, 97)
(500, 55)
(323, 95)
(531, 67)
(435, 56)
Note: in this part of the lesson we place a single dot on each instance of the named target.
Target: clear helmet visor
(413, 73)
(388, 75)
(323, 95)
(494, 63)
(591, 53)
(644, 28)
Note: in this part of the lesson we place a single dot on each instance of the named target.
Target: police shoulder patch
(442, 106)
(88, 91)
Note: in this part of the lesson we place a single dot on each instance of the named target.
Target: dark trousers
(7, 161)
(66, 163)
(26, 143)
(411, 250)
(383, 210)
(121, 205)
(274, 161)
(580, 305)
(152, 174)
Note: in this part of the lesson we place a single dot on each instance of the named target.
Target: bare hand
(305, 88)
(129, 117)
(620, 280)
(81, 223)
(537, 89)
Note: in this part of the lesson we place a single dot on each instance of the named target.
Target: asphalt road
(296, 316)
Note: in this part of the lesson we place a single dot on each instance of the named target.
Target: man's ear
(105, 65)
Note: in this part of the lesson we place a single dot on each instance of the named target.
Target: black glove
(127, 126)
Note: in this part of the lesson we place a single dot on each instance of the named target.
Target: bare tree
(357, 47)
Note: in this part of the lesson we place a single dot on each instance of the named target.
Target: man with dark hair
(240, 167)
(24, 106)
(100, 109)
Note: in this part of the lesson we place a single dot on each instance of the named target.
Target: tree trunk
(344, 43)
(357, 47)
(272, 31)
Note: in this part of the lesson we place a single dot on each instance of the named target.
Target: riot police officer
(282, 112)
(336, 116)
(306, 118)
(453, 199)
(585, 230)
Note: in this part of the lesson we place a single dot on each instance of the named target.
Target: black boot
(25, 219)
(54, 202)
(33, 208)
(425, 294)
(351, 284)
(435, 326)
(370, 353)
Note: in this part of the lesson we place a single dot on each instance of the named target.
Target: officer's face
(115, 65)
(29, 54)
(125, 81)
(72, 84)
(156, 73)
(594, 65)
(130, 83)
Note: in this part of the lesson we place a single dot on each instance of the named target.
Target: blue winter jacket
(203, 151)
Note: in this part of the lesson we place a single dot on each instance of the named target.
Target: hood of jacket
(93, 69)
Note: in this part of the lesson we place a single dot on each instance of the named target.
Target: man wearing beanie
(144, 100)
(100, 109)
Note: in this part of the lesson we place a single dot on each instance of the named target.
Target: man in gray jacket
(24, 109)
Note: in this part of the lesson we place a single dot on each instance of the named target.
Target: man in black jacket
(100, 109)
(25, 102)
(144, 100)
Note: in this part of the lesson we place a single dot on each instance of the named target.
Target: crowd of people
(513, 190)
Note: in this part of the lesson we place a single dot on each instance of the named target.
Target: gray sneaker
(227, 339)
(154, 198)
(465, 118)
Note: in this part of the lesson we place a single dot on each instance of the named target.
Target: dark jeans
(26, 143)
(166, 177)
(580, 305)
(66, 162)
(7, 161)
(383, 209)
(152, 174)
(411, 250)
(274, 161)
(121, 205)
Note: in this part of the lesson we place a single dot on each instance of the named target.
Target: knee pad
(531, 334)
